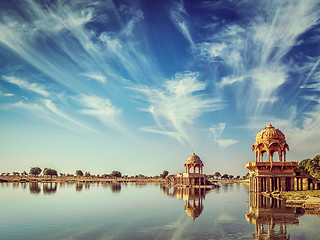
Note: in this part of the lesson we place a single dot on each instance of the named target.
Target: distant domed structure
(192, 177)
(193, 162)
(270, 140)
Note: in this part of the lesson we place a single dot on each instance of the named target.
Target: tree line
(36, 172)
(218, 175)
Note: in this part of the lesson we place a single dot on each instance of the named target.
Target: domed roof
(193, 212)
(270, 133)
(194, 159)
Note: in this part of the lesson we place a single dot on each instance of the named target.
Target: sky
(138, 86)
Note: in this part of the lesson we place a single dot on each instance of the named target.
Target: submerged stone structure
(276, 174)
(193, 176)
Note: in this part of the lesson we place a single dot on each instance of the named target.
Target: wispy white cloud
(136, 18)
(49, 111)
(102, 109)
(96, 76)
(230, 80)
(254, 55)
(305, 139)
(177, 14)
(217, 132)
(177, 105)
(2, 94)
(57, 41)
(74, 47)
(51, 106)
(23, 84)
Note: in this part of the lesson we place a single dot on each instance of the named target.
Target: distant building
(272, 174)
(192, 177)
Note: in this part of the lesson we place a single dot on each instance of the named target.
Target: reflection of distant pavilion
(271, 217)
(193, 199)
(192, 177)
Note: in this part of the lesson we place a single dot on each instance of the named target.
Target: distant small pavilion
(192, 177)
(274, 175)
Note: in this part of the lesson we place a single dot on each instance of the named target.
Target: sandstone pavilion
(275, 174)
(193, 176)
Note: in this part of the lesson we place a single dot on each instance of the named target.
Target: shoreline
(245, 181)
(96, 179)
(309, 200)
(75, 180)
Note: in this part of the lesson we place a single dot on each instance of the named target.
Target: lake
(146, 211)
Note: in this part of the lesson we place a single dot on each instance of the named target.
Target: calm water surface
(146, 211)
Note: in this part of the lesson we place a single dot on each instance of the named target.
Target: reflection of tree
(193, 198)
(79, 186)
(115, 187)
(34, 188)
(49, 188)
(271, 217)
(140, 184)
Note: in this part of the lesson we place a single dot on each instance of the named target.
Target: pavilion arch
(260, 150)
(275, 147)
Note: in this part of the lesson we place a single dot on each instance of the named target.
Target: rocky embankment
(309, 200)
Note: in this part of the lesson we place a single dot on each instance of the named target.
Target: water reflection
(271, 217)
(79, 186)
(34, 188)
(116, 187)
(52, 187)
(49, 188)
(193, 199)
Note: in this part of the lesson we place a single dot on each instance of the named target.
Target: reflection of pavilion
(271, 217)
(193, 199)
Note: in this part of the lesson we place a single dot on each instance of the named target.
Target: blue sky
(137, 86)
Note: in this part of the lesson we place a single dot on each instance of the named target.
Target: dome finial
(269, 126)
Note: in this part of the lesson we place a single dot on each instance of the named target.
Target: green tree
(164, 174)
(303, 164)
(116, 174)
(50, 172)
(225, 176)
(79, 173)
(246, 176)
(311, 166)
(35, 171)
(217, 174)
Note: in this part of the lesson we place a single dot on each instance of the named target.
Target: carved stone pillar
(291, 184)
(268, 184)
(259, 184)
(283, 186)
